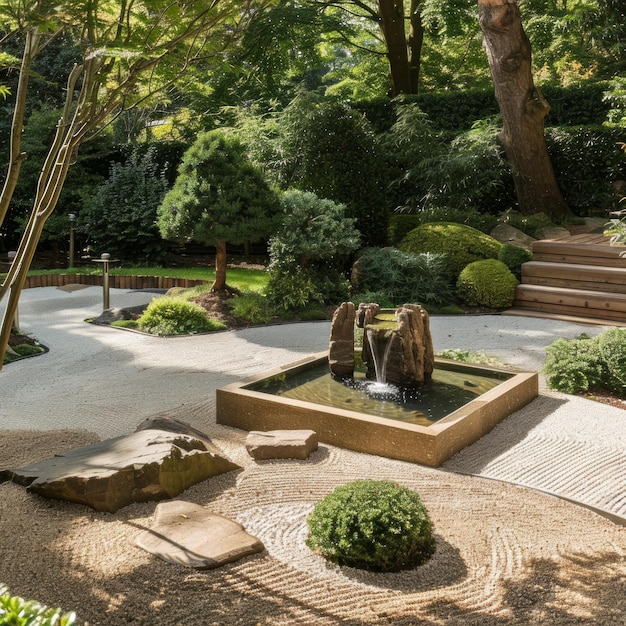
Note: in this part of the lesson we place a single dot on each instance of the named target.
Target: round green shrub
(461, 244)
(612, 351)
(487, 283)
(373, 525)
(168, 316)
(513, 257)
(573, 365)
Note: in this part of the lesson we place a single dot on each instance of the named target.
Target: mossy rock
(461, 244)
(487, 283)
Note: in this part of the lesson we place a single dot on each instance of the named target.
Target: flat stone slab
(146, 465)
(187, 534)
(281, 444)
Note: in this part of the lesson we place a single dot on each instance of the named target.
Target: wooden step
(575, 319)
(575, 276)
(577, 302)
(590, 249)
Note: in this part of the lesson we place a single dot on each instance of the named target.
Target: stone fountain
(397, 345)
(393, 398)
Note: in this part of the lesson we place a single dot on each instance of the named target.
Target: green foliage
(132, 324)
(470, 356)
(587, 163)
(615, 97)
(219, 195)
(587, 364)
(487, 283)
(528, 224)
(121, 217)
(374, 525)
(312, 229)
(403, 277)
(461, 244)
(15, 611)
(169, 316)
(293, 288)
(513, 257)
(472, 173)
(252, 307)
(328, 148)
(306, 251)
(400, 224)
(574, 365)
(26, 349)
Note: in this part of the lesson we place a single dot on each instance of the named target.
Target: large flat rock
(187, 534)
(146, 465)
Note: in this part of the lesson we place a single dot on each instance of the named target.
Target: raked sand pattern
(506, 553)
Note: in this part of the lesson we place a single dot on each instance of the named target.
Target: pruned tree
(130, 51)
(523, 109)
(219, 196)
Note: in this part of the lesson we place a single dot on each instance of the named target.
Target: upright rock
(341, 346)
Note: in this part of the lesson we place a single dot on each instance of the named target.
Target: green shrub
(588, 364)
(402, 276)
(373, 525)
(487, 283)
(400, 224)
(461, 244)
(612, 350)
(294, 289)
(252, 307)
(574, 365)
(168, 316)
(513, 257)
(15, 611)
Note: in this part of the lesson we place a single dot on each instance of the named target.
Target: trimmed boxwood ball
(461, 244)
(489, 283)
(372, 525)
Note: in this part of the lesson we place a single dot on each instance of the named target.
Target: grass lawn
(241, 278)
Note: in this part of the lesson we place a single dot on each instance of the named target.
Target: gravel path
(506, 554)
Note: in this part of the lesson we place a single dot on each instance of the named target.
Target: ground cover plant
(16, 611)
(373, 525)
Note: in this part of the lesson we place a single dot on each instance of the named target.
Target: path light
(106, 260)
(72, 218)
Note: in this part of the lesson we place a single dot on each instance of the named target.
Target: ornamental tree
(219, 196)
(129, 51)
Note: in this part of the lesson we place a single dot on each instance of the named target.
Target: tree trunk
(416, 40)
(392, 24)
(17, 157)
(219, 284)
(523, 109)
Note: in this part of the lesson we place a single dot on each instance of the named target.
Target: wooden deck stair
(579, 278)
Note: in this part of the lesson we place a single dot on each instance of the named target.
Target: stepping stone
(146, 465)
(281, 444)
(187, 534)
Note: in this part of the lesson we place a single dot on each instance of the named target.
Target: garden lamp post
(106, 260)
(72, 218)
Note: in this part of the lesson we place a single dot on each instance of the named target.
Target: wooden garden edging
(115, 282)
